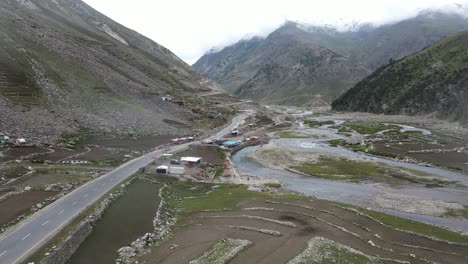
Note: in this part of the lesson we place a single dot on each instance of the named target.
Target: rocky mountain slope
(432, 81)
(66, 67)
(375, 46)
(286, 67)
(294, 63)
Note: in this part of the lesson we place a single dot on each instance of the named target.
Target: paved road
(20, 242)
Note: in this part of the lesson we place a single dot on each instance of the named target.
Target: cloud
(190, 28)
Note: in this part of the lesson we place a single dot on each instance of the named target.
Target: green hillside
(434, 80)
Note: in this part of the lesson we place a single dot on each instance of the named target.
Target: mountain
(374, 46)
(286, 67)
(432, 81)
(64, 67)
(302, 63)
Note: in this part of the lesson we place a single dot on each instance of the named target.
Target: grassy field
(195, 197)
(316, 123)
(369, 127)
(210, 215)
(342, 169)
(358, 171)
(291, 134)
(320, 250)
(463, 213)
(412, 226)
(362, 147)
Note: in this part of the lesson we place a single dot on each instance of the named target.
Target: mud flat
(276, 228)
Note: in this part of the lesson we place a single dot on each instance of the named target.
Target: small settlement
(4, 139)
(207, 160)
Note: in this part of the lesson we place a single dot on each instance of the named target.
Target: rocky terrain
(300, 64)
(373, 46)
(65, 67)
(433, 81)
(284, 68)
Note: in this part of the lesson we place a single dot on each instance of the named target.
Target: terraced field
(18, 87)
(302, 231)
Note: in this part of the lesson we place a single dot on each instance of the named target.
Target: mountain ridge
(245, 69)
(258, 68)
(72, 68)
(432, 81)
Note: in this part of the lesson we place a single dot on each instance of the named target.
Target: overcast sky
(191, 27)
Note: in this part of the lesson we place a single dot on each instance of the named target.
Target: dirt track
(311, 219)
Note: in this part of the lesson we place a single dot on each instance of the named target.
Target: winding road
(23, 240)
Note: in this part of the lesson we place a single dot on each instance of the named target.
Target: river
(362, 195)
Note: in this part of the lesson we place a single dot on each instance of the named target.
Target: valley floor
(318, 188)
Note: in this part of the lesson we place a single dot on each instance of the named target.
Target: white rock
(27, 188)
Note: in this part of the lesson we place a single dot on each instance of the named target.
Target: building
(231, 143)
(167, 97)
(191, 161)
(166, 156)
(251, 139)
(176, 170)
(20, 141)
(162, 169)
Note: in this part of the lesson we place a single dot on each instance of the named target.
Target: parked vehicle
(175, 161)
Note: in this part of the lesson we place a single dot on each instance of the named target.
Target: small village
(6, 140)
(174, 132)
(207, 160)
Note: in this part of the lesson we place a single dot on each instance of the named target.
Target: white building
(191, 159)
(176, 170)
(162, 169)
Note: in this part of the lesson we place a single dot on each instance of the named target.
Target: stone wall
(66, 249)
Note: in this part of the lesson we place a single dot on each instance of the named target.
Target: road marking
(85, 195)
(45, 223)
(124, 168)
(26, 236)
(3, 253)
(74, 203)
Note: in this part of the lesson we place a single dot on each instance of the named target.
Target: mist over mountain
(374, 46)
(281, 69)
(285, 67)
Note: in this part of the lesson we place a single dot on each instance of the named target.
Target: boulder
(126, 252)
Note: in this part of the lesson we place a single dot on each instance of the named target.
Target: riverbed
(362, 195)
